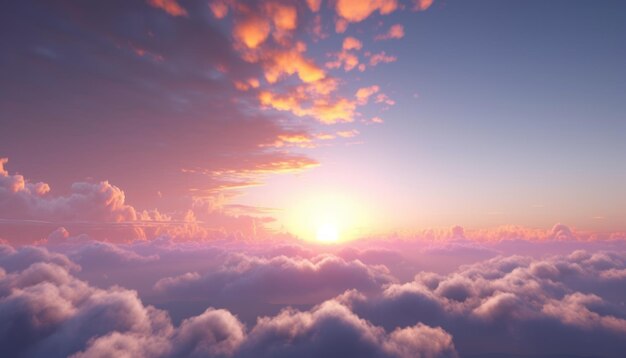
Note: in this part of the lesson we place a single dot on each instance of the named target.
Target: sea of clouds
(75, 296)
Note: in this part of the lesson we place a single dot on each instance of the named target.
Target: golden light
(326, 216)
(327, 233)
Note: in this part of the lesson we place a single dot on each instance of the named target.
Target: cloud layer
(246, 299)
(44, 309)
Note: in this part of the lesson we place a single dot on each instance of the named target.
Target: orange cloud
(289, 62)
(333, 111)
(169, 6)
(324, 109)
(344, 58)
(322, 87)
(314, 5)
(363, 94)
(248, 84)
(421, 5)
(350, 43)
(219, 9)
(395, 32)
(252, 31)
(284, 17)
(295, 138)
(287, 165)
(303, 140)
(287, 103)
(359, 10)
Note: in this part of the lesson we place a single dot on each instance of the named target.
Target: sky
(281, 178)
(472, 113)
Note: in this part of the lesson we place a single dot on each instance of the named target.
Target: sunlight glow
(327, 216)
(327, 233)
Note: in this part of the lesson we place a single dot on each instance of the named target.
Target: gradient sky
(319, 178)
(494, 112)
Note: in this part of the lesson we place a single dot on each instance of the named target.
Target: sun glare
(327, 233)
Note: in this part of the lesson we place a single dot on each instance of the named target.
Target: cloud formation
(45, 309)
(513, 305)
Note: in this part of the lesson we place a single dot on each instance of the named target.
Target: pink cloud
(421, 5)
(363, 94)
(395, 32)
(219, 8)
(172, 7)
(314, 5)
(381, 57)
(351, 43)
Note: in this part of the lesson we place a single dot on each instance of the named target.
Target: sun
(327, 233)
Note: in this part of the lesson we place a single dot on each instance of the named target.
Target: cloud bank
(72, 295)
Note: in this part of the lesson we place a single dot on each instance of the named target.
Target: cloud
(214, 333)
(219, 8)
(348, 134)
(252, 31)
(421, 5)
(395, 32)
(314, 5)
(332, 330)
(307, 102)
(363, 94)
(544, 301)
(168, 67)
(172, 7)
(506, 304)
(289, 62)
(350, 43)
(381, 57)
(284, 17)
(46, 310)
(375, 120)
(277, 280)
(359, 10)
(19, 259)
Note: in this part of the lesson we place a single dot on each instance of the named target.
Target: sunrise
(313, 178)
